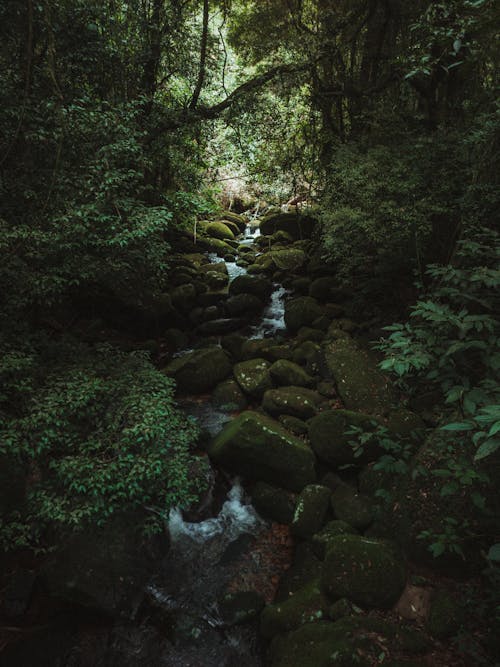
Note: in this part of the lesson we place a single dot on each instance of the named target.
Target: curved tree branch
(203, 57)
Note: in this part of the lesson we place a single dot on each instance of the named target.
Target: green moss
(322, 539)
(294, 401)
(286, 373)
(273, 503)
(260, 448)
(253, 376)
(305, 606)
(352, 507)
(311, 510)
(300, 312)
(199, 371)
(369, 572)
(219, 230)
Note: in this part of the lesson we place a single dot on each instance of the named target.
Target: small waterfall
(273, 318)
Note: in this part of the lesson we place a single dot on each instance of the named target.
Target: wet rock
(219, 230)
(244, 305)
(368, 572)
(352, 507)
(233, 344)
(260, 448)
(301, 312)
(229, 397)
(265, 348)
(322, 539)
(311, 510)
(221, 326)
(253, 376)
(306, 605)
(199, 371)
(273, 503)
(259, 287)
(286, 373)
(360, 384)
(295, 401)
(298, 226)
(241, 607)
(330, 440)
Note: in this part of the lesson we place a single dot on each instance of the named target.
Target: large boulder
(289, 259)
(352, 507)
(228, 396)
(347, 642)
(219, 230)
(237, 219)
(253, 376)
(301, 312)
(298, 226)
(294, 401)
(323, 288)
(273, 503)
(322, 539)
(311, 510)
(244, 305)
(220, 326)
(328, 433)
(199, 371)
(286, 373)
(306, 605)
(369, 572)
(258, 447)
(360, 384)
(259, 287)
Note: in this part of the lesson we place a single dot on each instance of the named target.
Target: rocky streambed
(292, 558)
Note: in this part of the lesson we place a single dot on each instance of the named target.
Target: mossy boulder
(199, 371)
(369, 572)
(445, 616)
(306, 605)
(349, 641)
(219, 230)
(244, 305)
(266, 348)
(294, 401)
(253, 376)
(298, 226)
(290, 259)
(352, 507)
(220, 247)
(184, 297)
(321, 540)
(260, 448)
(323, 288)
(294, 424)
(328, 433)
(245, 284)
(228, 396)
(305, 568)
(360, 384)
(300, 312)
(286, 373)
(237, 219)
(406, 424)
(220, 326)
(274, 503)
(241, 607)
(311, 510)
(282, 237)
(310, 333)
(308, 354)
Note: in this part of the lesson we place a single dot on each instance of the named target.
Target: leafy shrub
(95, 431)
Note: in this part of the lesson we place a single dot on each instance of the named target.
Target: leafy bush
(90, 432)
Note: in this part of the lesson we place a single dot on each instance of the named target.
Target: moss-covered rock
(184, 297)
(342, 608)
(321, 540)
(199, 371)
(369, 572)
(322, 288)
(309, 355)
(328, 433)
(244, 305)
(352, 507)
(266, 348)
(241, 607)
(445, 616)
(220, 326)
(310, 333)
(290, 259)
(239, 220)
(406, 424)
(359, 382)
(260, 448)
(220, 247)
(282, 237)
(298, 226)
(311, 510)
(307, 605)
(300, 312)
(228, 396)
(219, 230)
(286, 373)
(294, 401)
(305, 568)
(293, 424)
(253, 376)
(259, 287)
(274, 503)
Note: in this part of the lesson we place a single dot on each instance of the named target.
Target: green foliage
(95, 431)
